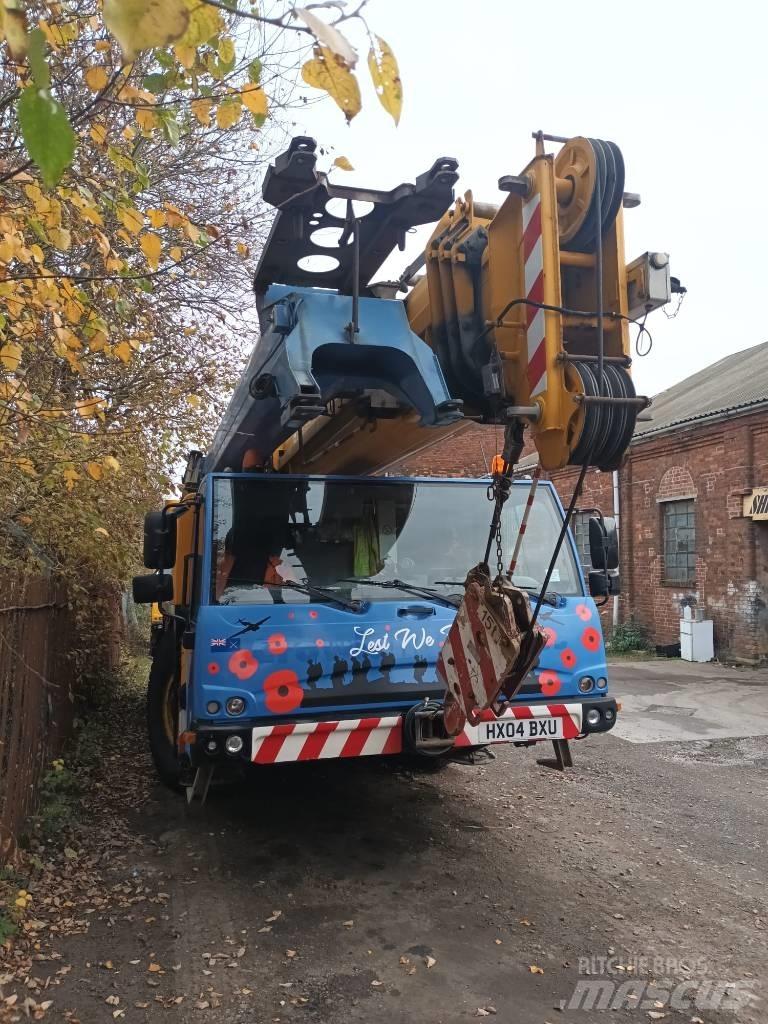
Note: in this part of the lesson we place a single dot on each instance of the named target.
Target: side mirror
(159, 540)
(152, 589)
(603, 543)
(603, 584)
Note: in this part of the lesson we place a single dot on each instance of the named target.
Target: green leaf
(164, 59)
(254, 71)
(169, 126)
(47, 133)
(36, 57)
(156, 82)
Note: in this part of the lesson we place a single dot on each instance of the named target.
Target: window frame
(670, 507)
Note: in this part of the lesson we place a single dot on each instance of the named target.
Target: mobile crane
(319, 609)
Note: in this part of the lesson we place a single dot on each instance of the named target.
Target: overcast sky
(679, 86)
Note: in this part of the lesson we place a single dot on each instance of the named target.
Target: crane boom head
(521, 317)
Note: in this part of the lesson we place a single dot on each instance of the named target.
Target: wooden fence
(37, 640)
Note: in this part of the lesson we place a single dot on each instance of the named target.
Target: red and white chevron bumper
(363, 737)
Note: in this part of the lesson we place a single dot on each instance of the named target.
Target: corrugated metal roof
(732, 384)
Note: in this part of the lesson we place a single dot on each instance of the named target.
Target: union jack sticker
(219, 643)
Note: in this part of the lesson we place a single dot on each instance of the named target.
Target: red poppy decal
(591, 639)
(568, 658)
(313, 614)
(213, 668)
(551, 636)
(584, 612)
(319, 642)
(243, 664)
(277, 644)
(282, 691)
(550, 683)
(291, 615)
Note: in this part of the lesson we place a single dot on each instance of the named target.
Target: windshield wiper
(311, 591)
(549, 598)
(428, 592)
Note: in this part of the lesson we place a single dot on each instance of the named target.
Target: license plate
(518, 730)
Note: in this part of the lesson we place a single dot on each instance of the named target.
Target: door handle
(415, 611)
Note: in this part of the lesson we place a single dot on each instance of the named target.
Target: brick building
(686, 498)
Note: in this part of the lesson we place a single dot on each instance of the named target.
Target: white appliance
(697, 641)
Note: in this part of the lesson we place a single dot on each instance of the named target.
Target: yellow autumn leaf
(146, 119)
(101, 532)
(97, 342)
(328, 72)
(37, 253)
(228, 112)
(60, 238)
(343, 164)
(99, 134)
(242, 249)
(90, 407)
(94, 470)
(152, 247)
(201, 109)
(96, 78)
(226, 49)
(26, 466)
(10, 356)
(386, 78)
(110, 462)
(185, 55)
(123, 352)
(91, 215)
(156, 218)
(193, 400)
(204, 23)
(70, 477)
(131, 218)
(256, 100)
(144, 24)
(176, 253)
(14, 26)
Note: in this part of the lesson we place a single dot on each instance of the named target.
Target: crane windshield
(277, 540)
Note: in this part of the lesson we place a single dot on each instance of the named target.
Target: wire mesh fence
(37, 643)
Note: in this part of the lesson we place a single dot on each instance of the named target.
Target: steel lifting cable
(600, 382)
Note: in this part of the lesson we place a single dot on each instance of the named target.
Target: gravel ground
(363, 892)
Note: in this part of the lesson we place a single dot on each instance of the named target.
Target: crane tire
(161, 711)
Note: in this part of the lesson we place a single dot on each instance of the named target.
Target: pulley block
(606, 426)
(595, 170)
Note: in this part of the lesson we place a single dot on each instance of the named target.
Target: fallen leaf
(430, 961)
(112, 1000)
(524, 921)
(290, 953)
(348, 924)
(343, 164)
(534, 969)
(274, 916)
(376, 984)
(155, 968)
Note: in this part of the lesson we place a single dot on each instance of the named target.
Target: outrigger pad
(300, 194)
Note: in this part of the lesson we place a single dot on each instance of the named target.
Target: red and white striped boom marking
(361, 737)
(533, 256)
(524, 521)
